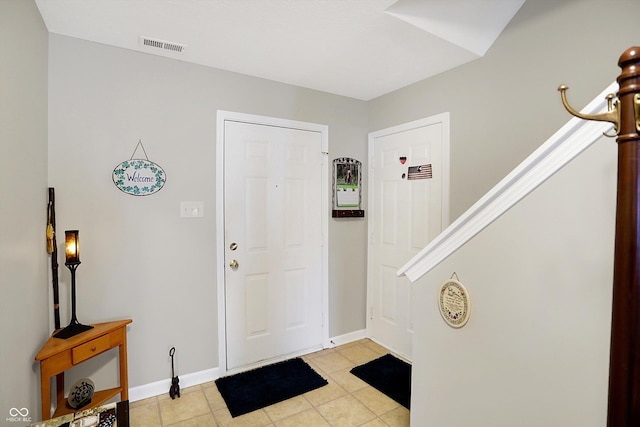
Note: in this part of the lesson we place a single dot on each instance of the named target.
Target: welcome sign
(139, 177)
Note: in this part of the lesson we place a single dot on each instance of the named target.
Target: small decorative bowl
(81, 393)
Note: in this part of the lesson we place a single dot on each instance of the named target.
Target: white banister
(569, 141)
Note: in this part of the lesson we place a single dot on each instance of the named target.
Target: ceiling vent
(162, 44)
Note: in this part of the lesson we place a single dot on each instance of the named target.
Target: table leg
(59, 389)
(124, 384)
(45, 393)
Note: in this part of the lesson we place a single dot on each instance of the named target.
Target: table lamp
(72, 252)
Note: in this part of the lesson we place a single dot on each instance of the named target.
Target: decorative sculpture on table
(72, 245)
(624, 360)
(81, 393)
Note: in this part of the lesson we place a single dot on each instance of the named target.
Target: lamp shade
(72, 246)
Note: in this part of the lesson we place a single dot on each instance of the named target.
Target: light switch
(191, 209)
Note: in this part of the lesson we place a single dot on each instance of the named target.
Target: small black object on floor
(389, 375)
(255, 389)
(174, 390)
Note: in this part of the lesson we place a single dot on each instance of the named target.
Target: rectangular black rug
(255, 389)
(390, 375)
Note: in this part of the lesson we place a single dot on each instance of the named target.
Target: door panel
(407, 214)
(272, 212)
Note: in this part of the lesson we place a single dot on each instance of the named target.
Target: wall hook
(613, 115)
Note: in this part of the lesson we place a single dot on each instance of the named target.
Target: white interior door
(408, 167)
(272, 210)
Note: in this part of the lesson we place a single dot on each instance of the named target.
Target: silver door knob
(234, 264)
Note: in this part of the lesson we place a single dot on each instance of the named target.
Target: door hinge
(371, 313)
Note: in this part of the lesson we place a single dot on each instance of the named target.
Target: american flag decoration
(420, 172)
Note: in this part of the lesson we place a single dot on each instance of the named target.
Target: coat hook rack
(624, 361)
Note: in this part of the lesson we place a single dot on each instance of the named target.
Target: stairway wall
(535, 351)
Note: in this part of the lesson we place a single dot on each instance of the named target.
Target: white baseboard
(160, 387)
(393, 350)
(347, 338)
(188, 380)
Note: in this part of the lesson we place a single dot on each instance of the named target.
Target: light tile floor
(346, 401)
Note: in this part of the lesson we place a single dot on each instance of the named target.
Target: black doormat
(390, 375)
(252, 390)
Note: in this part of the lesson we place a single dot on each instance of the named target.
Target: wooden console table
(57, 355)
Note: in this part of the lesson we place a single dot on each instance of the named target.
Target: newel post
(624, 364)
(624, 359)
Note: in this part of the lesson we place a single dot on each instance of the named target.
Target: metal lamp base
(74, 327)
(72, 330)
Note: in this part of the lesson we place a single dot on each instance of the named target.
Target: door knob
(234, 264)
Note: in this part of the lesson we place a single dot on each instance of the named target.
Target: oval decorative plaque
(139, 177)
(454, 303)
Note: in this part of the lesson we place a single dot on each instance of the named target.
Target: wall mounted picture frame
(139, 177)
(347, 188)
(454, 303)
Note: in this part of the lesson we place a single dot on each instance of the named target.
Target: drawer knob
(93, 348)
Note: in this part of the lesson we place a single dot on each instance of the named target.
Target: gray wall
(139, 259)
(24, 295)
(535, 351)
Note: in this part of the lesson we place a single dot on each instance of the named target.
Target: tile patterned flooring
(345, 402)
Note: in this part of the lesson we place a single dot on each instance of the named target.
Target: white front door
(273, 231)
(408, 168)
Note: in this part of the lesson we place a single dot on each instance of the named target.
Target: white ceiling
(356, 48)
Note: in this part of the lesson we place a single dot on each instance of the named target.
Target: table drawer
(90, 349)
